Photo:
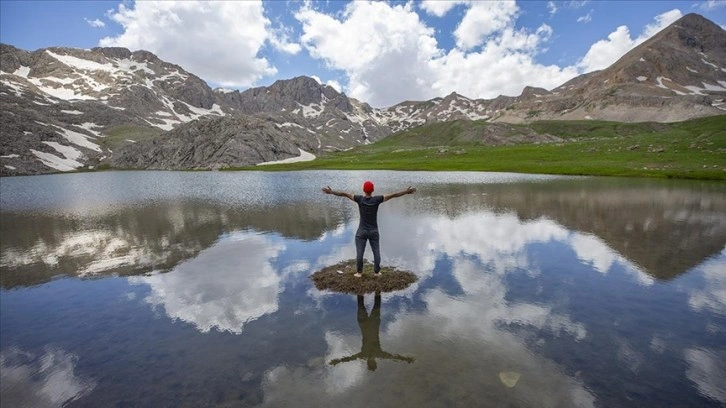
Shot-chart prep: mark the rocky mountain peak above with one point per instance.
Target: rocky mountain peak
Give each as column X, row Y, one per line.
column 301, row 94
column 113, row 52
column 686, row 58
column 531, row 92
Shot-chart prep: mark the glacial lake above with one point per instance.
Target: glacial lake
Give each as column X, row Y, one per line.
column 151, row 289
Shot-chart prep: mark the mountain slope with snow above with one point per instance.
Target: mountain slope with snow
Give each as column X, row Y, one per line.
column 65, row 109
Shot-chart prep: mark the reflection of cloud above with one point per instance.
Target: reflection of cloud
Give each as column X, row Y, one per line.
column 224, row 287
column 498, row 239
column 628, row 356
column 296, row 268
column 713, row 294
column 591, row 249
column 657, row 344
column 484, row 306
column 46, row 381
column 707, row 369
column 338, row 231
column 348, row 374
column 416, row 243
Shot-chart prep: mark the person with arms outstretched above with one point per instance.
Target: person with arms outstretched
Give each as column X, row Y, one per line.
column 370, row 326
column 368, row 224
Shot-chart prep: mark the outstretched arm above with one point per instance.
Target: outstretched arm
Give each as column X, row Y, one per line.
column 328, row 190
column 389, row 356
column 409, row 190
column 336, row 361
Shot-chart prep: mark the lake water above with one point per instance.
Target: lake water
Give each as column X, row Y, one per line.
column 135, row 289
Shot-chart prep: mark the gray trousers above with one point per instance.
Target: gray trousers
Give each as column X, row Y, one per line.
column 361, row 236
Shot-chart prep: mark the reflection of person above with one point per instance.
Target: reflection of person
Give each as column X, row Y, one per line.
column 369, row 330
column 368, row 225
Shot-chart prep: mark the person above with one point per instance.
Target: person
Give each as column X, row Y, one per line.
column 368, row 224
column 370, row 326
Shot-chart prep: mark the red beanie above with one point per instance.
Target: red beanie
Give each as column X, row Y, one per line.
column 368, row 187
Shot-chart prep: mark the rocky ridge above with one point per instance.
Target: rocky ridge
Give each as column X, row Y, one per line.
column 65, row 109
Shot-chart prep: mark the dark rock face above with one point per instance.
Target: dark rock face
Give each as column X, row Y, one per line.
column 65, row 108
column 210, row 143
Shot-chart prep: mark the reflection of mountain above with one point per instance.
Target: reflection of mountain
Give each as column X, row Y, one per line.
column 136, row 239
column 664, row 229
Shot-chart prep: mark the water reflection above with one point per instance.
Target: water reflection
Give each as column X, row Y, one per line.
column 664, row 228
column 555, row 294
column 712, row 294
column 47, row 380
column 463, row 345
column 223, row 287
column 660, row 231
column 707, row 369
column 370, row 326
column 135, row 240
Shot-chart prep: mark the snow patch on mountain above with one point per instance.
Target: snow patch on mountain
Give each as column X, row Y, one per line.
column 304, row 156
column 290, row 124
column 312, row 110
column 89, row 126
column 22, row 72
column 68, row 152
column 17, row 88
column 78, row 139
column 55, row 162
column 167, row 124
column 80, row 63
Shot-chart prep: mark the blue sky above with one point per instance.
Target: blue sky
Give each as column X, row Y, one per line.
column 379, row 52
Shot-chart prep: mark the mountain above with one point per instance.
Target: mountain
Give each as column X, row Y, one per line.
column 65, row 109
column 678, row 74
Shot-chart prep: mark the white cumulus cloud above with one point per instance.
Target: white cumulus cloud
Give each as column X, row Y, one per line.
column 219, row 41
column 483, row 19
column 605, row 52
column 439, row 8
column 389, row 54
column 95, row 23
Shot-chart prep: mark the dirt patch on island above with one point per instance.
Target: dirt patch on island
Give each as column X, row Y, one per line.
column 339, row 278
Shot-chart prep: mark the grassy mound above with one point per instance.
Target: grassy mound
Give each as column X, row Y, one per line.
column 330, row 278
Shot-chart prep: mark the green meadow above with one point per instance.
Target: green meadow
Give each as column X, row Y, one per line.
column 694, row 149
column 119, row 135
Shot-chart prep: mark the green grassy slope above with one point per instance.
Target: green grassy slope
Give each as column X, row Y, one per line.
column 120, row 134
column 691, row 149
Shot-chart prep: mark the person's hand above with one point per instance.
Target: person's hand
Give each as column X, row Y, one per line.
column 410, row 190
column 327, row 190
